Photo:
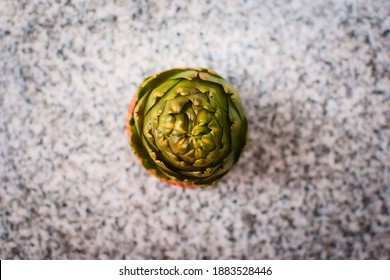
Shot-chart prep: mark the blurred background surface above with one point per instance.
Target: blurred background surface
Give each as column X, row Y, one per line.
column 313, row 182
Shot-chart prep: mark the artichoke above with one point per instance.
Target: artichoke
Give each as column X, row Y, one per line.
column 187, row 126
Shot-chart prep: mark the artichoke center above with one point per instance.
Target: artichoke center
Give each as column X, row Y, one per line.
column 185, row 130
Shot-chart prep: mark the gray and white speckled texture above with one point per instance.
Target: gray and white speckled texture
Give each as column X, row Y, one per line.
column 314, row 182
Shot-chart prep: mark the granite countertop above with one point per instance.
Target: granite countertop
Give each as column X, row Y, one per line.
column 314, row 181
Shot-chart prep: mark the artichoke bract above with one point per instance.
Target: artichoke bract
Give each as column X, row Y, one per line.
column 187, row 126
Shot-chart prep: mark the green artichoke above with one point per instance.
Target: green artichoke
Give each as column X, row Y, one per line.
column 187, row 125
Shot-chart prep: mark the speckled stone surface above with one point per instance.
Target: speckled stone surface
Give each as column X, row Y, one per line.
column 314, row 181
